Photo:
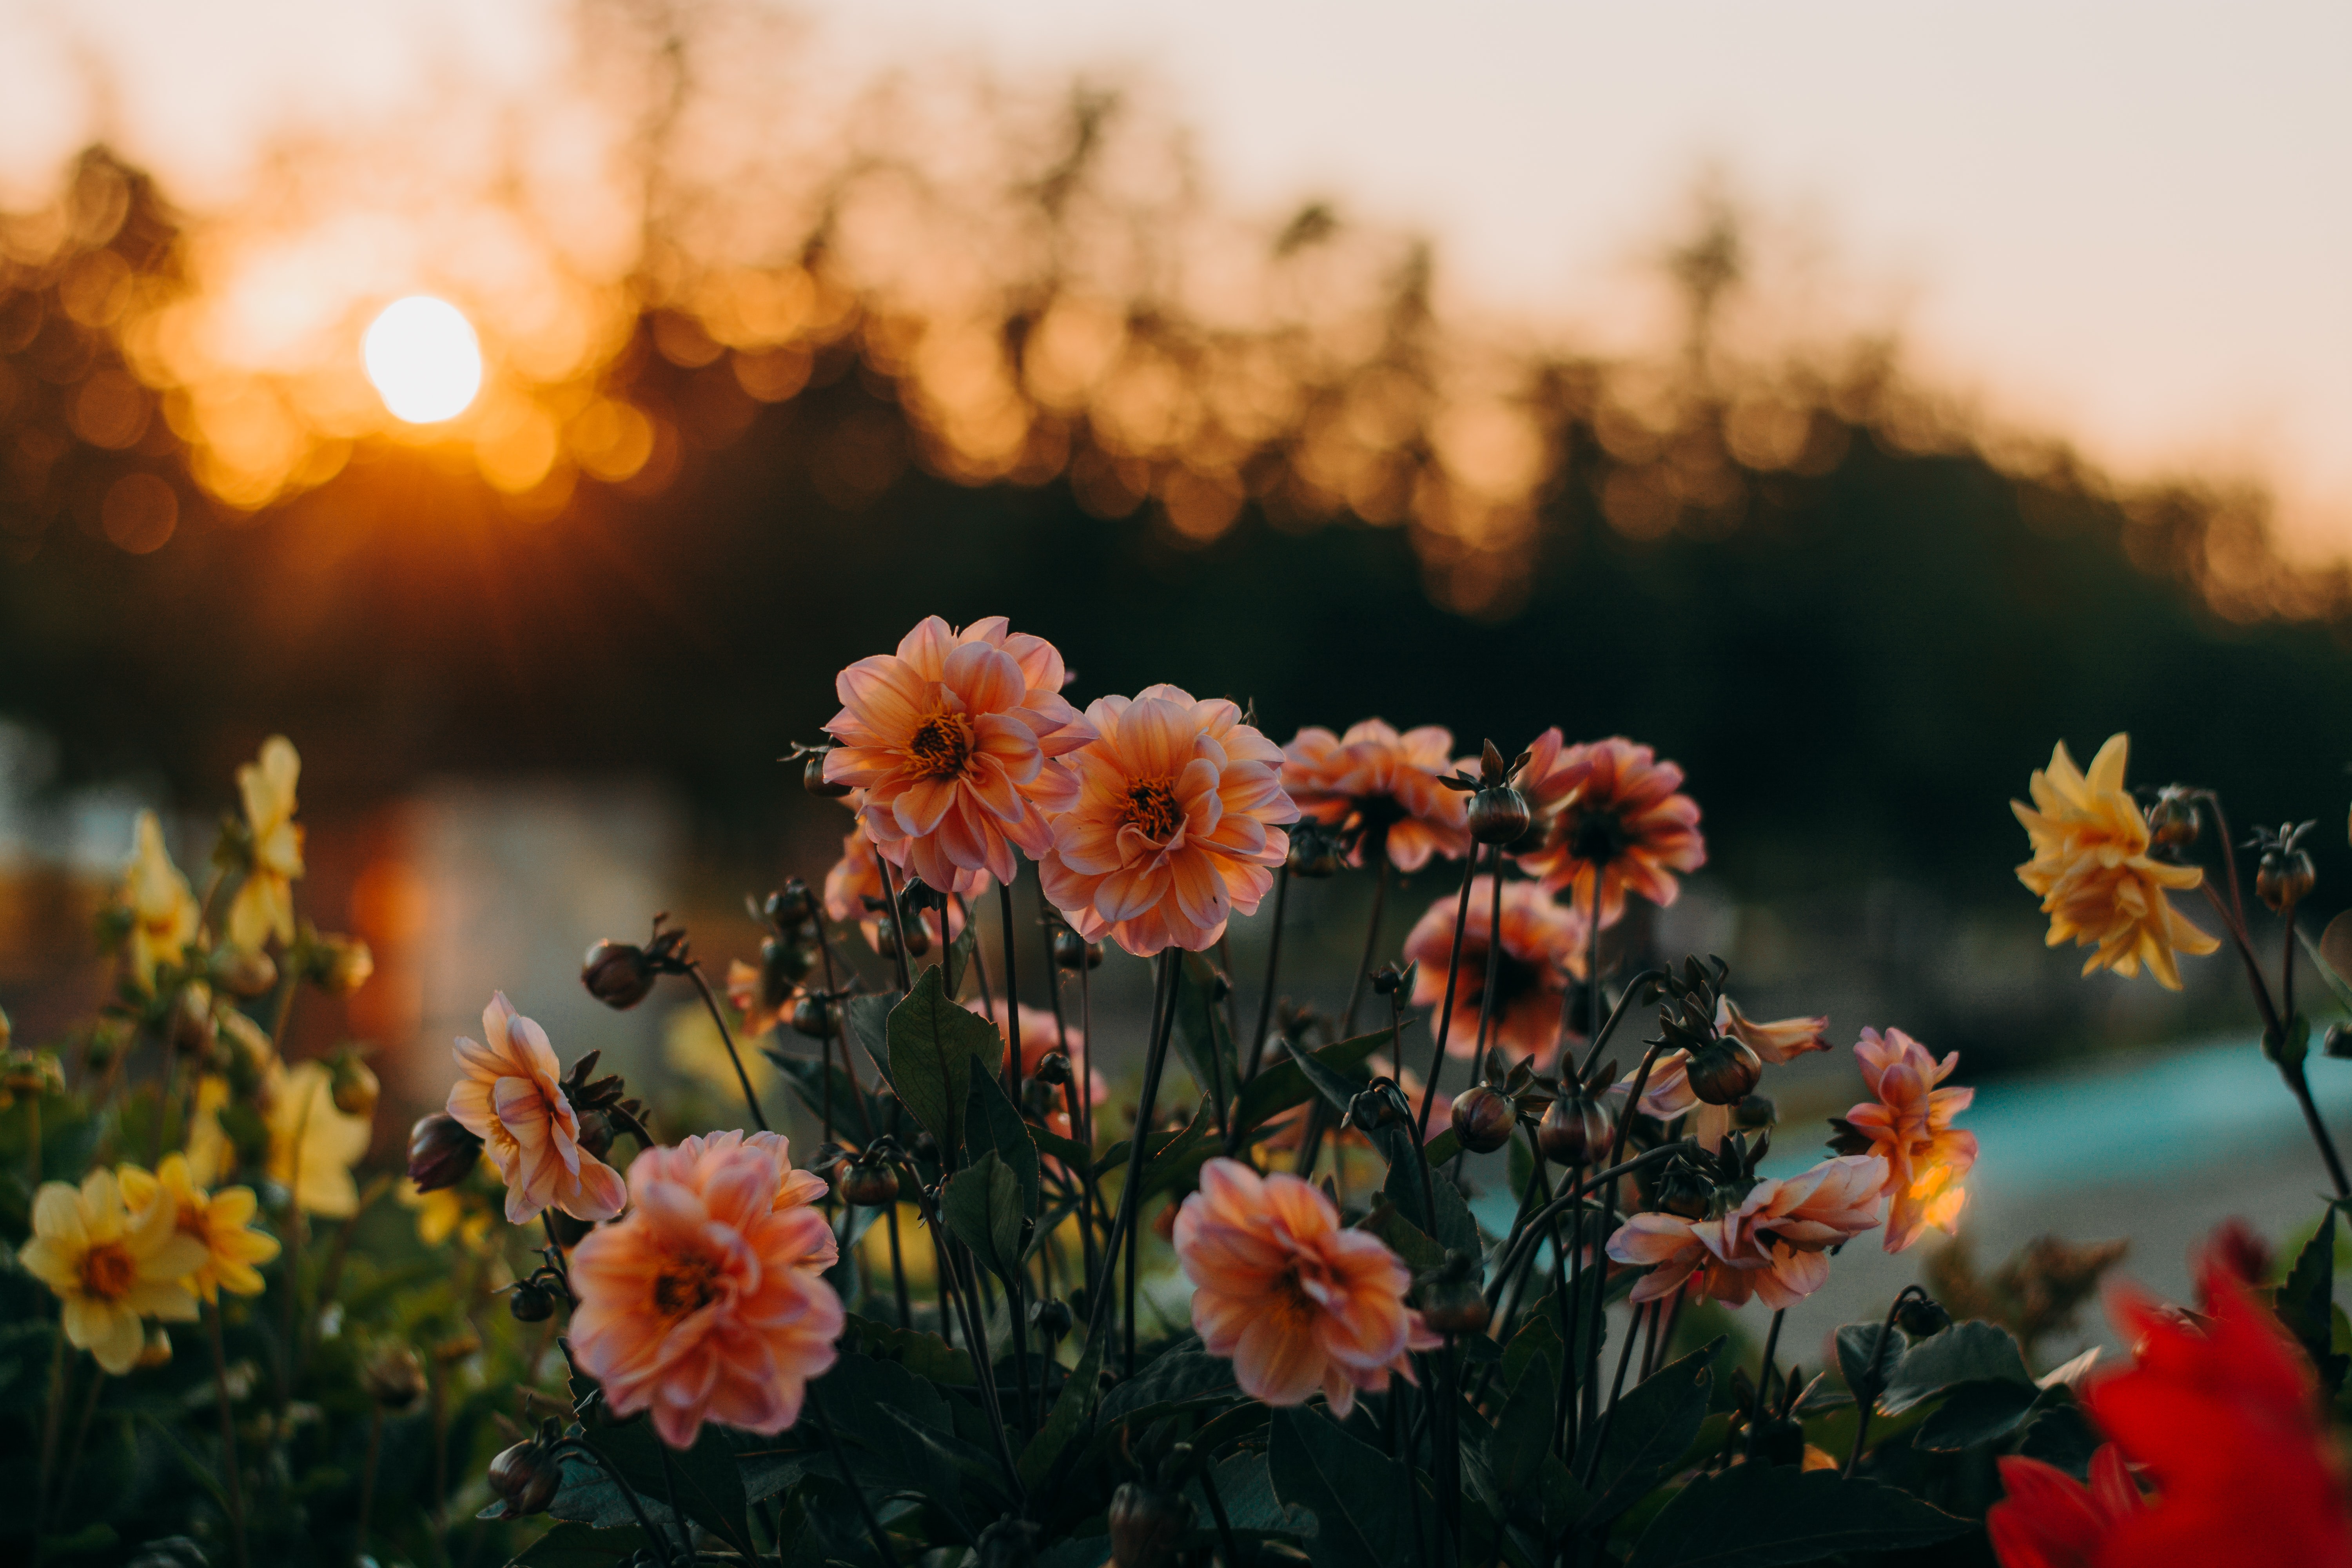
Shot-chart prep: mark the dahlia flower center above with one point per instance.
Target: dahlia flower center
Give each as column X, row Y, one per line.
column 941, row 745
column 1596, row 836
column 1152, row 808
column 687, row 1285
column 108, row 1272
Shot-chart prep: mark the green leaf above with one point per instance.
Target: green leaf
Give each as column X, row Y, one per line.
column 1452, row 1227
column 924, row 1353
column 1443, row 1147
column 992, row 1123
column 1975, row 1414
column 2305, row 1298
column 1355, row 1491
column 866, row 1020
column 1404, row 1238
column 1176, row 1377
column 1206, row 1044
column 1064, row 1421
column 933, row 1044
column 957, row 957
column 709, row 1482
column 1245, row 1486
column 1523, row 1435
column 1282, row 1085
column 1766, row 1516
column 1974, row 1352
column 1854, row 1343
column 1170, row 1159
column 571, row 1546
column 808, row 1078
column 1069, row 1151
column 1653, row 1425
column 1536, row 1344
column 981, row 1204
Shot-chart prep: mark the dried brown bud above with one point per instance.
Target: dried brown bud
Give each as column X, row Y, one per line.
column 246, row 972
column 1314, row 852
column 783, row 966
column 596, row 1132
column 1455, row 1307
column 817, row 1016
column 394, row 1377
column 1576, row 1130
column 526, row 1478
column 812, row 779
column 532, row 1302
column 790, row 906
column 1146, row 1525
column 869, row 1183
column 2284, row 878
column 2172, row 821
column 1684, row 1192
column 440, row 1151
column 1498, row 815
column 1723, row 1070
column 1482, row 1120
column 617, row 974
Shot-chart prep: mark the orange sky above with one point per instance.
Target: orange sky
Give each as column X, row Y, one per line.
column 2129, row 221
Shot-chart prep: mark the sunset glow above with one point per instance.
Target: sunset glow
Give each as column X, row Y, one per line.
column 423, row 357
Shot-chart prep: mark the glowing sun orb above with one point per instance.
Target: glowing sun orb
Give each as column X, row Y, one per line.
column 424, row 358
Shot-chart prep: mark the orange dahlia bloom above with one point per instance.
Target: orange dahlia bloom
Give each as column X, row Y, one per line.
column 511, row 1098
column 1382, row 786
column 1176, row 824
column 704, row 1305
column 1909, row 1125
column 1297, row 1302
column 954, row 738
column 1543, row 944
column 1668, row 1093
column 2092, row 868
column 1774, row 1244
column 1608, row 810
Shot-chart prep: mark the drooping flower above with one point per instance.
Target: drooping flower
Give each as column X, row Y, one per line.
column 696, row 1307
column 109, row 1266
column 1909, row 1125
column 164, row 912
column 1773, row 1244
column 855, row 878
column 1176, row 824
column 2092, row 868
column 511, row 1097
column 1543, row 946
column 1297, row 1303
column 264, row 905
column 1668, row 1093
column 220, row 1222
column 2224, row 1418
column 954, row 738
column 1611, row 814
column 1381, row 787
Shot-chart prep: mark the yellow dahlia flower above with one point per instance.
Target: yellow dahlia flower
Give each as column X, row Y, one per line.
column 220, row 1222
column 2092, row 868
column 264, row 904
column 164, row 912
column 109, row 1267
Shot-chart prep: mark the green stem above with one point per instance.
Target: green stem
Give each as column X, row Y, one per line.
column 1446, row 1009
column 1272, row 969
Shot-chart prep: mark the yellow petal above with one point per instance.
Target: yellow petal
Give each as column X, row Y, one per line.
column 58, row 1217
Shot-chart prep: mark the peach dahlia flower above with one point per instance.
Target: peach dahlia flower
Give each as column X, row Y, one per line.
column 1543, row 944
column 1295, row 1302
column 1909, row 1125
column 855, row 878
column 702, row 1305
column 1773, row 1244
column 1384, row 783
column 1669, row 1094
column 954, row 739
column 1611, row 812
column 1176, row 823
column 511, row 1097
column 2092, row 868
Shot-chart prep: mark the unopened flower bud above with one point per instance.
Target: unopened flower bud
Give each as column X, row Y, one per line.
column 394, row 1377
column 1053, row 1069
column 782, row 965
column 1482, row 1120
column 355, row 1086
column 1723, row 1070
column 440, row 1151
column 1314, row 852
column 1387, row 979
column 246, row 972
column 2284, row 878
column 1497, row 814
column 30, row 1073
column 1146, row 1525
column 790, row 906
column 1071, row 950
column 891, row 935
column 1455, row 1307
column 596, row 1132
column 869, row 1183
column 1375, row 1108
column 1050, row 1317
column 1755, row 1111
column 815, row 1015
column 192, row 1030
column 1684, row 1192
column 812, row 779
column 2172, row 821
column 1919, row 1317
column 532, row 1302
column 157, row 1350
column 1577, row 1127
column 2336, row 1042
column 617, row 975
column 526, row 1478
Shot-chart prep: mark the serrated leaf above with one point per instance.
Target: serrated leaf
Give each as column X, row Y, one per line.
column 1653, row 1425
column 1538, row 1343
column 1202, row 1037
column 1404, row 1238
column 1283, row 1084
column 708, row 1480
column 1768, row 1516
column 1064, row 1421
column 991, row 1123
column 808, row 1078
column 933, row 1043
column 2304, row 1301
column 1452, row 1227
column 1523, row 1435
column 1245, row 1486
column 981, row 1204
column 1355, row 1491
column 1975, row 1352
column 1174, row 1376
column 1854, row 1343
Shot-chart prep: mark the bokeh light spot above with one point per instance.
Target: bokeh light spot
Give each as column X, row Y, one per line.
column 422, row 356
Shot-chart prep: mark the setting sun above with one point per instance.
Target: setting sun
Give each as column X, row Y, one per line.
column 422, row 356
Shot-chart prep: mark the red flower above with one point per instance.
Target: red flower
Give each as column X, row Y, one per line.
column 2225, row 1419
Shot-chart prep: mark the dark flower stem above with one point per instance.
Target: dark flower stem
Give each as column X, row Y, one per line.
column 1377, row 846
column 886, row 1556
column 1866, row 1400
column 658, row 1543
column 1131, row 1191
column 1273, row 968
column 898, row 923
column 727, row 1038
column 899, row 1269
column 1397, row 1438
column 1494, row 957
column 1617, row 1387
column 2275, row 1028
column 233, row 1482
column 1013, row 1060
column 1571, row 1196
column 1446, row 1009
column 1217, row 1512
